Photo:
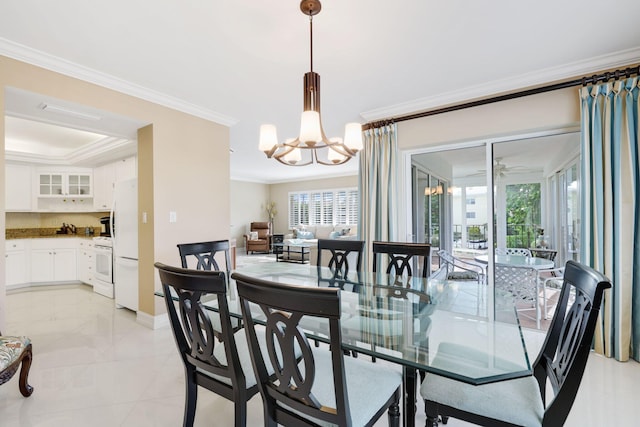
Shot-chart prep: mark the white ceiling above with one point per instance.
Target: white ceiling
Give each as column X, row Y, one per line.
column 241, row 63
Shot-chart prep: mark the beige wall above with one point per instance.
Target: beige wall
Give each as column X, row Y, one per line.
column 181, row 156
column 248, row 201
column 280, row 194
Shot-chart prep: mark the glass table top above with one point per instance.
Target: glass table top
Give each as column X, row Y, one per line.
column 432, row 325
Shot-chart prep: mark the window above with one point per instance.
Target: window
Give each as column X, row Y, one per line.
column 330, row 207
column 471, row 201
column 471, row 215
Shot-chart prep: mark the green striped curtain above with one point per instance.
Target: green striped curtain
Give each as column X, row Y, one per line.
column 610, row 214
column 378, row 186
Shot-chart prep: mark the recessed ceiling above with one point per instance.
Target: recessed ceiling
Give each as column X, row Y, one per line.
column 29, row 136
column 241, row 63
column 64, row 132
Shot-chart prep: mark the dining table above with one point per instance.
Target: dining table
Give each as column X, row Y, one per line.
column 417, row 324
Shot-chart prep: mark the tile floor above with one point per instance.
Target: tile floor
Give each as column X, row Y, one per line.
column 94, row 365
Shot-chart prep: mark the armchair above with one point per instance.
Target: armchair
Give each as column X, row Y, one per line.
column 258, row 238
column 15, row 352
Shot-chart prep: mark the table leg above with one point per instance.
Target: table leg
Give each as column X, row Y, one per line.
column 409, row 393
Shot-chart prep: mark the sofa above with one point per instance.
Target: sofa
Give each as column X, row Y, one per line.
column 311, row 233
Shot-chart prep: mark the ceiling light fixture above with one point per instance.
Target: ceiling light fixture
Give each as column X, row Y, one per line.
column 69, row 112
column 312, row 137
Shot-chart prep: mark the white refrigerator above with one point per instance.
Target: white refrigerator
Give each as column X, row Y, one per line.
column 124, row 224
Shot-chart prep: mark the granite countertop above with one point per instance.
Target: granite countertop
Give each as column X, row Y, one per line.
column 38, row 233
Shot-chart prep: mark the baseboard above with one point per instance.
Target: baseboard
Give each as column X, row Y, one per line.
column 152, row 322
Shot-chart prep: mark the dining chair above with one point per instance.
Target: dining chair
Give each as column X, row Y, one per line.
column 401, row 256
column 16, row 352
column 223, row 367
column 560, row 365
column 322, row 387
column 340, row 251
column 204, row 255
column 523, row 284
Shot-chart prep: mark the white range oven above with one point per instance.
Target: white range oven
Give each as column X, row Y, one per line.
column 103, row 273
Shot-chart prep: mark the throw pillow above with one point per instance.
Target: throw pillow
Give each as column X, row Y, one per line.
column 304, row 234
column 253, row 235
column 345, row 231
column 334, row 234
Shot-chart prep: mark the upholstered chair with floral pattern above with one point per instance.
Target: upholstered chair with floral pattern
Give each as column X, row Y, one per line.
column 15, row 351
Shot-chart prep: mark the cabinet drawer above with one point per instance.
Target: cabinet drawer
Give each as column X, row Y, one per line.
column 15, row 245
column 57, row 243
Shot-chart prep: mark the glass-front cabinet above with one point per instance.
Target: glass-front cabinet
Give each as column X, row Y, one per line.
column 64, row 184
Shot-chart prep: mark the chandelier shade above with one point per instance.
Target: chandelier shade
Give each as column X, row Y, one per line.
column 311, row 140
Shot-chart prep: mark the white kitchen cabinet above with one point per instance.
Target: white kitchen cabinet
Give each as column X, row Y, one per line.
column 104, row 180
column 64, row 184
column 106, row 176
column 18, row 190
column 16, row 262
column 53, row 260
column 86, row 261
column 126, row 168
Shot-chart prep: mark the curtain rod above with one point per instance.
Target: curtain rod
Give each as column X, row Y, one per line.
column 627, row 72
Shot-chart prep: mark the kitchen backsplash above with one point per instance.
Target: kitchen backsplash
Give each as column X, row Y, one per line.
column 54, row 220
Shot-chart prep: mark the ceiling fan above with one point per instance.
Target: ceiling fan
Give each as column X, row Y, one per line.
column 500, row 170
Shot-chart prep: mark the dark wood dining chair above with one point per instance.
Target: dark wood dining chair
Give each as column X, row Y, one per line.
column 322, row 387
column 202, row 255
column 560, row 363
column 223, row 367
column 339, row 251
column 400, row 257
column 16, row 352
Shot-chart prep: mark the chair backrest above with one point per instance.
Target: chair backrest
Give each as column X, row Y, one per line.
column 513, row 251
column 204, row 254
column 262, row 228
column 401, row 256
column 192, row 327
column 519, row 281
column 340, row 250
column 285, row 308
column 566, row 349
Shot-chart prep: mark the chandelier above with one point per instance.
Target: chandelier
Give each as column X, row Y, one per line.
column 322, row 150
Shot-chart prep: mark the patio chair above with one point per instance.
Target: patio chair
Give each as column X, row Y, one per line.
column 513, row 251
column 560, row 366
column 459, row 269
column 523, row 284
column 323, row 387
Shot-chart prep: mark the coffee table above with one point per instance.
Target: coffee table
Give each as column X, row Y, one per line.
column 292, row 252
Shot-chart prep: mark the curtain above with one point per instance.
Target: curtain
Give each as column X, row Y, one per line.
column 610, row 220
column 378, row 186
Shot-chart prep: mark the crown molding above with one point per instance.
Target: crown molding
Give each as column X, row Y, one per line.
column 35, row 57
column 101, row 151
column 534, row 78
